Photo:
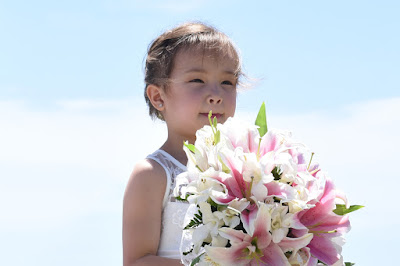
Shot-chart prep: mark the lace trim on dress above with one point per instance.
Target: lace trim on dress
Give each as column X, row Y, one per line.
column 172, row 169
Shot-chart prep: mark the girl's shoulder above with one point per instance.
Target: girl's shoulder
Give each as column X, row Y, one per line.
column 142, row 210
column 147, row 177
column 148, row 167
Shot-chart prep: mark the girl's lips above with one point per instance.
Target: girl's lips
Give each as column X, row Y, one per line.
column 218, row 116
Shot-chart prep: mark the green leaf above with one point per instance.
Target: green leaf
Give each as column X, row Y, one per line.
column 349, row 264
column 196, row 260
column 209, row 117
column 212, row 203
column 276, row 172
column 191, row 147
column 217, row 137
column 342, row 210
column 261, row 120
column 215, row 122
column 182, row 199
column 195, row 221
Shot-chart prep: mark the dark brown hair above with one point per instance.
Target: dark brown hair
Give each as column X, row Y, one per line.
column 189, row 36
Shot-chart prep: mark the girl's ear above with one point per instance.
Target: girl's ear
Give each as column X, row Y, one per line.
column 156, row 95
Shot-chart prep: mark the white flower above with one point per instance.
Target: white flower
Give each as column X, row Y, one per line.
column 281, row 221
column 251, row 168
column 300, row 257
column 181, row 183
column 207, row 186
column 208, row 231
column 207, row 150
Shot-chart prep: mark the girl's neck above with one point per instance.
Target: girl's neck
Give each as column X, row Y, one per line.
column 175, row 148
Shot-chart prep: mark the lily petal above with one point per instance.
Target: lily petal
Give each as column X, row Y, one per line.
column 273, row 255
column 325, row 249
column 291, row 244
column 233, row 235
column 228, row 256
column 262, row 225
column 248, row 216
column 326, row 205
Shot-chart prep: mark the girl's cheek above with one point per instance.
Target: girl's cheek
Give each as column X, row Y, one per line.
column 232, row 95
column 198, row 92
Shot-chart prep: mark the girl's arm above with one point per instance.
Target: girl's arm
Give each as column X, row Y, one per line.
column 142, row 215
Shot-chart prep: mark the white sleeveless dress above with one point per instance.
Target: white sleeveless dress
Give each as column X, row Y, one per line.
column 173, row 211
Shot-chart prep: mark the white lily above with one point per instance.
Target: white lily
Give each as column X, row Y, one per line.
column 300, row 257
column 281, row 221
column 208, row 231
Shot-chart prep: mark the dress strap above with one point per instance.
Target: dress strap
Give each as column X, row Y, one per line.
column 168, row 174
column 172, row 168
column 172, row 159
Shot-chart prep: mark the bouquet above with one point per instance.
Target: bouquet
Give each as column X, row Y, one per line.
column 258, row 199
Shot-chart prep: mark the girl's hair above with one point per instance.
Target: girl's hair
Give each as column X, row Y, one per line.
column 196, row 37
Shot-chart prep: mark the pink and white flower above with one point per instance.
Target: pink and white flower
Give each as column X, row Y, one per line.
column 325, row 225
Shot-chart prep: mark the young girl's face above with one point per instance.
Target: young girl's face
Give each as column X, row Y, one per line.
column 200, row 83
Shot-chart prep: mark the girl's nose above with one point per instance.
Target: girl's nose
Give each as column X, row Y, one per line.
column 215, row 96
column 214, row 99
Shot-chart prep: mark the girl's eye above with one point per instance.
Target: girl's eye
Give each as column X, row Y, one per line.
column 227, row 82
column 197, row 81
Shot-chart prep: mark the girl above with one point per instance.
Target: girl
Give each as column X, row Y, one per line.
column 190, row 70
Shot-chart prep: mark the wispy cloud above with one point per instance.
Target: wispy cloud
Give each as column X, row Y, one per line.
column 80, row 132
column 57, row 165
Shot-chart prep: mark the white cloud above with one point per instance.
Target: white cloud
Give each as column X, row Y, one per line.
column 85, row 133
column 55, row 166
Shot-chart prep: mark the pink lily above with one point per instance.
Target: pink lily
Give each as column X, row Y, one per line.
column 249, row 249
column 246, row 137
column 234, row 183
column 281, row 190
column 256, row 247
column 238, row 188
column 325, row 225
column 270, row 142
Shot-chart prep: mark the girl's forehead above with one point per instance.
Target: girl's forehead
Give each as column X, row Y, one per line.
column 200, row 58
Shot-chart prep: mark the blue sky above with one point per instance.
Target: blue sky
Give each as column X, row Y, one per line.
column 73, row 120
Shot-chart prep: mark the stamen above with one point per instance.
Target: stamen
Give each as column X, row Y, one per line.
column 312, row 155
column 249, row 190
column 258, row 149
column 323, row 232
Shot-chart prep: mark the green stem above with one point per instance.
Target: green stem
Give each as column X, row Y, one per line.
column 211, row 123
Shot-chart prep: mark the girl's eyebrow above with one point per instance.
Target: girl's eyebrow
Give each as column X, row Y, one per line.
column 195, row 70
column 202, row 70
